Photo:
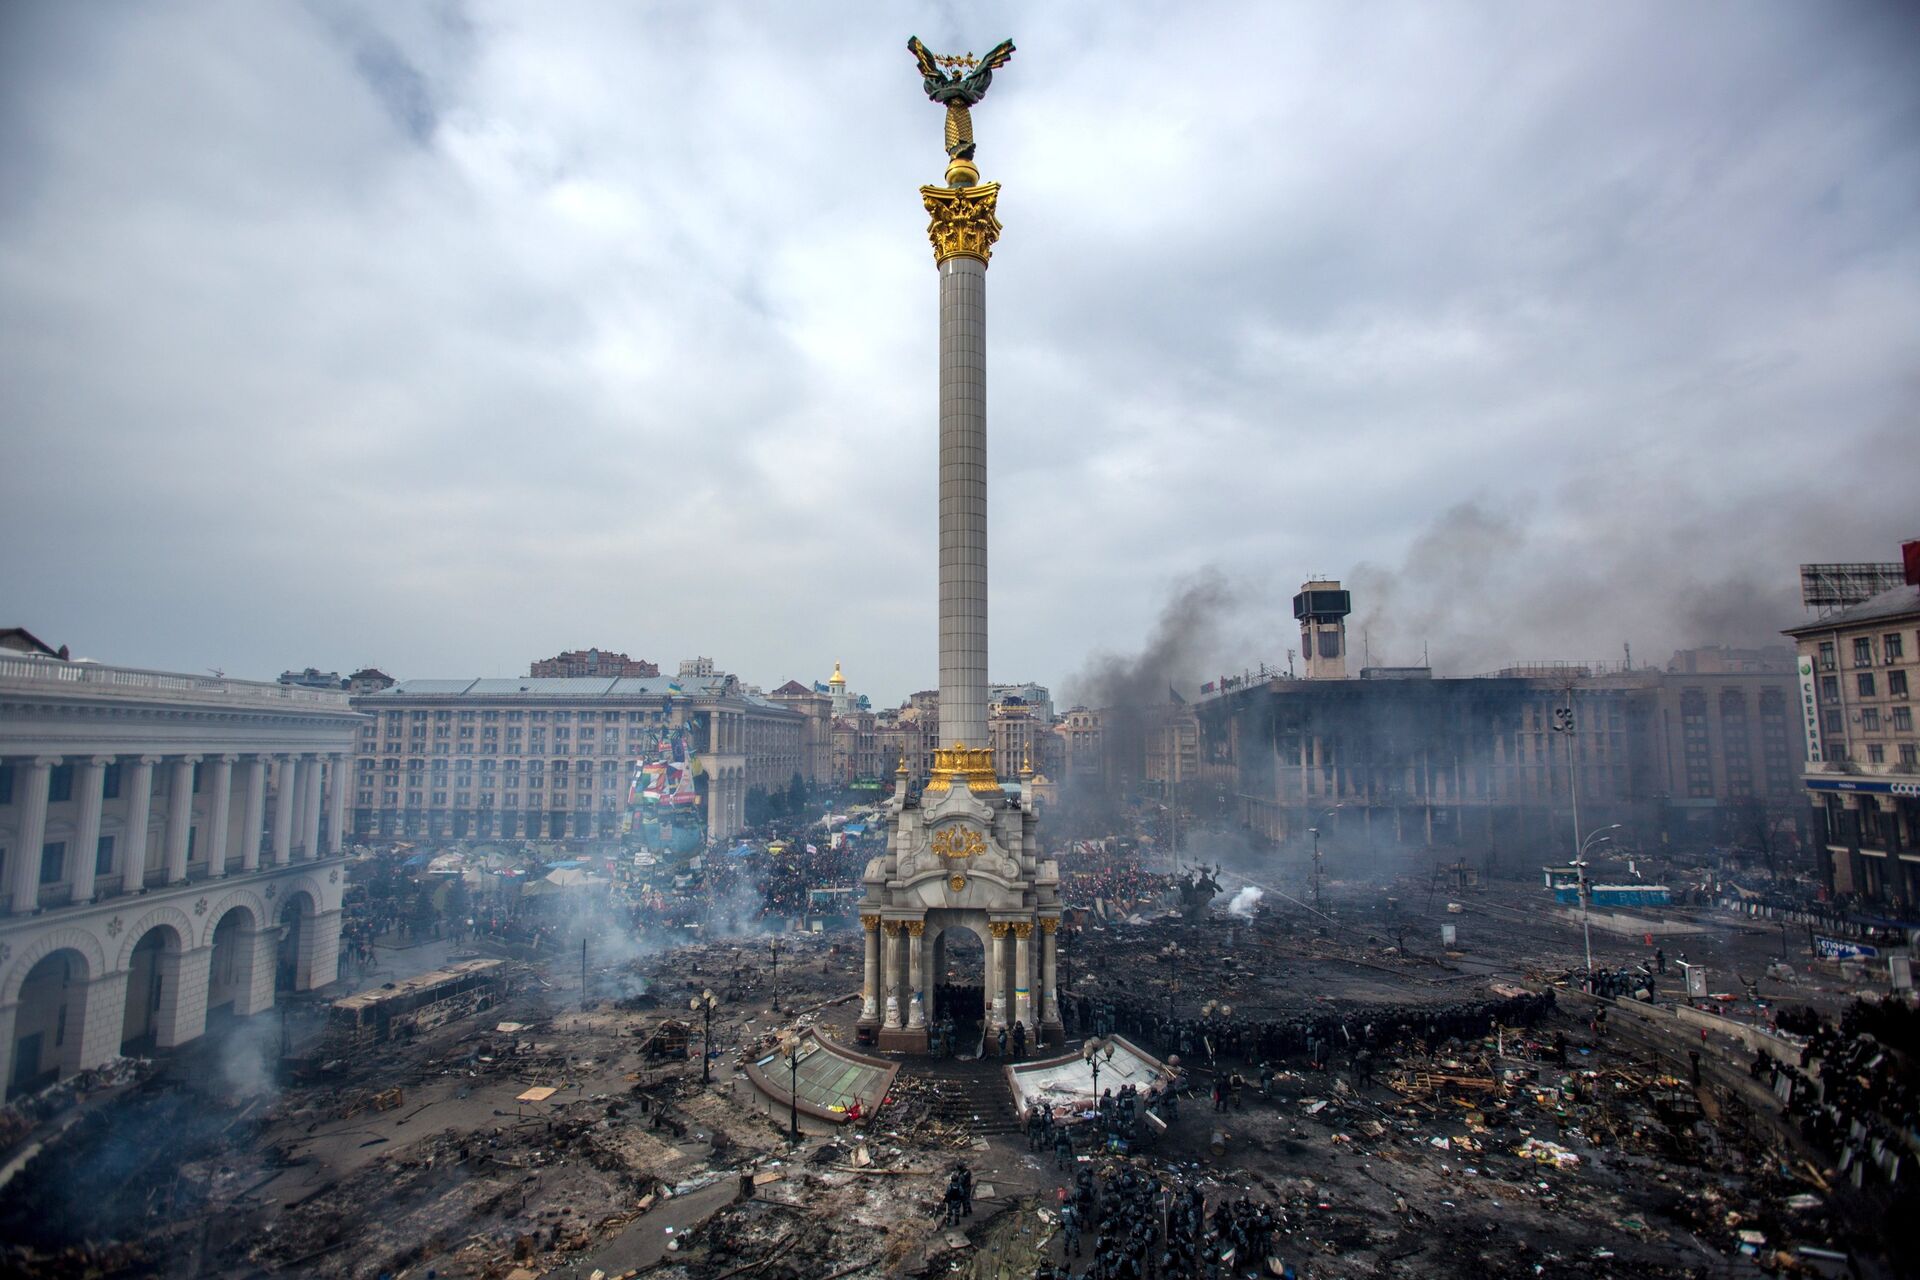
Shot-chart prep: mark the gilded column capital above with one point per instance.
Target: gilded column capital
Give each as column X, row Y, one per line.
column 1049, row 924
column 998, row 928
column 891, row 926
column 1023, row 929
column 916, row 927
column 973, row 766
column 870, row 923
column 963, row 223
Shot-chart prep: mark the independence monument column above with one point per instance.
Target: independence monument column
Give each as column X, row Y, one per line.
column 963, row 854
column 963, row 229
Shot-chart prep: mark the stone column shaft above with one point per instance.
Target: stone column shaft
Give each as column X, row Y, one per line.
column 916, row 977
column 179, row 818
column 1023, row 976
column 870, row 987
column 283, row 790
column 890, row 969
column 253, row 816
column 1049, row 995
column 297, row 822
column 24, row 883
column 997, row 979
column 133, row 858
column 217, row 816
column 86, row 834
column 310, row 827
column 341, row 779
column 963, row 501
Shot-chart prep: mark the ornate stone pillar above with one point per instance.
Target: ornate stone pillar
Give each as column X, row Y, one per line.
column 283, row 789
column 323, row 958
column 133, row 858
column 179, row 817
column 297, row 820
column 870, row 987
column 253, row 816
column 310, row 813
column 341, row 771
column 259, row 956
column 103, row 1020
column 8, row 1014
column 217, row 815
column 183, row 996
column 916, row 973
column 997, row 975
column 24, row 883
column 1049, row 995
column 890, row 967
column 1023, row 974
column 86, row 833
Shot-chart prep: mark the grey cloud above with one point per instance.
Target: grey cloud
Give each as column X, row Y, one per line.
column 440, row 336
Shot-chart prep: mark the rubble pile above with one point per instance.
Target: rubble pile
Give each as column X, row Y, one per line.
column 1340, row 1100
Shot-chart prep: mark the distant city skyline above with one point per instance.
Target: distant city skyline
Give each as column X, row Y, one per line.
column 438, row 340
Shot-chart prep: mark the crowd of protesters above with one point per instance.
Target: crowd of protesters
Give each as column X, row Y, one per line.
column 1852, row 1089
column 1147, row 1225
column 1235, row 1037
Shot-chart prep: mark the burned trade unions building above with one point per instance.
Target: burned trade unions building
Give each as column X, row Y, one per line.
column 1701, row 750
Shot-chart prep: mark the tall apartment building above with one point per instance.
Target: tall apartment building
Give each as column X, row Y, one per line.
column 856, row 750
column 816, row 738
column 1082, row 739
column 1861, row 760
column 1037, row 698
column 553, row 758
column 584, row 663
column 170, row 853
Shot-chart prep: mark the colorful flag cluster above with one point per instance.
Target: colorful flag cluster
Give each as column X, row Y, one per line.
column 666, row 777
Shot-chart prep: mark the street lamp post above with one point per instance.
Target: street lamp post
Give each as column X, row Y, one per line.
column 703, row 1004
column 773, row 945
column 1315, row 833
column 1209, row 1011
column 1563, row 724
column 1579, row 864
column 790, row 1050
column 1091, row 1051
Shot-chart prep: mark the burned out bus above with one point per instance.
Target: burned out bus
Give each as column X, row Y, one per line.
column 417, row 1004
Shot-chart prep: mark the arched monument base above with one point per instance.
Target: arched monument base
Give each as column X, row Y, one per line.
column 962, row 855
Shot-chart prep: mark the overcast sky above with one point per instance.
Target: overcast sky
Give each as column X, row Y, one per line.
column 442, row 337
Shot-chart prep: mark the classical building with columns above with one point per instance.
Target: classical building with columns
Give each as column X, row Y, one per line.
column 170, row 852
column 552, row 757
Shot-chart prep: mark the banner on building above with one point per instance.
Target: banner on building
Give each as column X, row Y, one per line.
column 1809, row 710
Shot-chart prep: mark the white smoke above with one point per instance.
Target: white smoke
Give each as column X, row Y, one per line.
column 1244, row 902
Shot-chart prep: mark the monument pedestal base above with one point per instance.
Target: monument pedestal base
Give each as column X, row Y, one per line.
column 904, row 1039
column 1052, row 1033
